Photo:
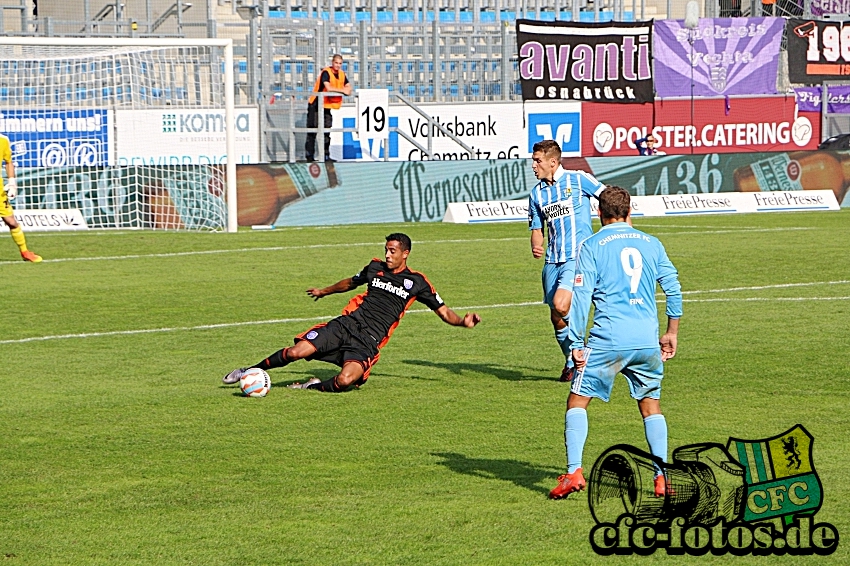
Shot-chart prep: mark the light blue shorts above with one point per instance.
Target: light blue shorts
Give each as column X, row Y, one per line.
column 643, row 369
column 557, row 276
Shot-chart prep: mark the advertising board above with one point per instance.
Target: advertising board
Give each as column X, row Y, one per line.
column 701, row 126
column 492, row 130
column 659, row 205
column 599, row 62
column 173, row 136
column 48, row 220
column 308, row 194
column 721, row 173
column 59, row 138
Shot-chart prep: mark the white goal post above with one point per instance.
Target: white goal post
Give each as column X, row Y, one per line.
column 135, row 132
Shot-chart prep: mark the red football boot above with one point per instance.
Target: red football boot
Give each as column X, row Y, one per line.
column 567, row 484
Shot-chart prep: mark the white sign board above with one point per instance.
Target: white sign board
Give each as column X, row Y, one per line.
column 659, row 205
column 181, row 136
column 373, row 106
column 48, row 220
column 494, row 130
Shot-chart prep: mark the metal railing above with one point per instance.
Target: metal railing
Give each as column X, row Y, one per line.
column 113, row 19
column 291, row 129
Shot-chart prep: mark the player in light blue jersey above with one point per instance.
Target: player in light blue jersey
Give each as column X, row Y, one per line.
column 561, row 202
column 617, row 271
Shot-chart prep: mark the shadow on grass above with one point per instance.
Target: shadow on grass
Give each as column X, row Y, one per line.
column 300, row 377
column 499, row 372
column 520, row 473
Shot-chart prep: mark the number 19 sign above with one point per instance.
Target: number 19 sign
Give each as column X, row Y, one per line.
column 373, row 107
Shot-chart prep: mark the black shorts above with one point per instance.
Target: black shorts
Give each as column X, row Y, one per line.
column 340, row 341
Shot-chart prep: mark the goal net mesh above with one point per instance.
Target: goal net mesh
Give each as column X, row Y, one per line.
column 133, row 137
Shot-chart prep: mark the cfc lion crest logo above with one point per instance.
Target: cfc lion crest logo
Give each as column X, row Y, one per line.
column 780, row 475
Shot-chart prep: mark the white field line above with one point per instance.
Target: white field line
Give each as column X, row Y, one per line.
column 353, row 245
column 323, row 318
column 230, row 324
column 751, row 299
column 257, row 249
column 777, row 286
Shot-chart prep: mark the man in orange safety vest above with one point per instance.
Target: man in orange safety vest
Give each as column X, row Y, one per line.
column 331, row 79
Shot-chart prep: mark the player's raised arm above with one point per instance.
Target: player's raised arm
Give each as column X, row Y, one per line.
column 449, row 316
column 338, row 287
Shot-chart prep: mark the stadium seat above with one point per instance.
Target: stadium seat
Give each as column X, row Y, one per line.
column 276, row 67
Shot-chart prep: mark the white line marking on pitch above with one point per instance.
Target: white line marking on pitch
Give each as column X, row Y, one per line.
column 352, row 245
column 749, row 299
column 322, row 318
column 777, row 286
column 258, row 249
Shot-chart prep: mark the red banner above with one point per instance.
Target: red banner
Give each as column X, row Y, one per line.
column 714, row 125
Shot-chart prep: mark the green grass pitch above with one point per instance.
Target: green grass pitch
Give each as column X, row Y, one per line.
column 122, row 447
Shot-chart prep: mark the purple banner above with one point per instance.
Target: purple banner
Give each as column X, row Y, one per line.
column 809, row 99
column 723, row 55
column 830, row 7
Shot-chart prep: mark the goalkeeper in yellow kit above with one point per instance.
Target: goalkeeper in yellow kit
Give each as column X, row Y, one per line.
column 9, row 191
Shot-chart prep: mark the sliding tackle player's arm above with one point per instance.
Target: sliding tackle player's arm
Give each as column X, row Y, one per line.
column 338, row 287
column 449, row 316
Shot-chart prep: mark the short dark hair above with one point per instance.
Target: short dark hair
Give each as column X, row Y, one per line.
column 402, row 239
column 549, row 148
column 614, row 202
column 336, row 56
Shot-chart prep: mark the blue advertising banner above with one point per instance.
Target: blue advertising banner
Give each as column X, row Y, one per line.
column 723, row 56
column 59, row 138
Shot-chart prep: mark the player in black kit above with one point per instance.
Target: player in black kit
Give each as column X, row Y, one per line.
column 353, row 340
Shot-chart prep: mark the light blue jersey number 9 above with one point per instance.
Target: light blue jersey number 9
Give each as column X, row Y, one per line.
column 633, row 266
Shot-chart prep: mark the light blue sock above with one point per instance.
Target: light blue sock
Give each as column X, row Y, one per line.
column 656, row 435
column 563, row 338
column 575, row 435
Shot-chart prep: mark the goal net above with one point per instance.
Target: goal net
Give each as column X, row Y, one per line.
column 134, row 133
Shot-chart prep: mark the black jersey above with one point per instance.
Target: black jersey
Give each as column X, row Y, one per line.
column 388, row 297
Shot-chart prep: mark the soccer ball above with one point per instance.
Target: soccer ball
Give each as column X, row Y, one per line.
column 255, row 383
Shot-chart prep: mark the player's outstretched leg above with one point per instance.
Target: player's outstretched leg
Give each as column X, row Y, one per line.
column 279, row 359
column 352, row 372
